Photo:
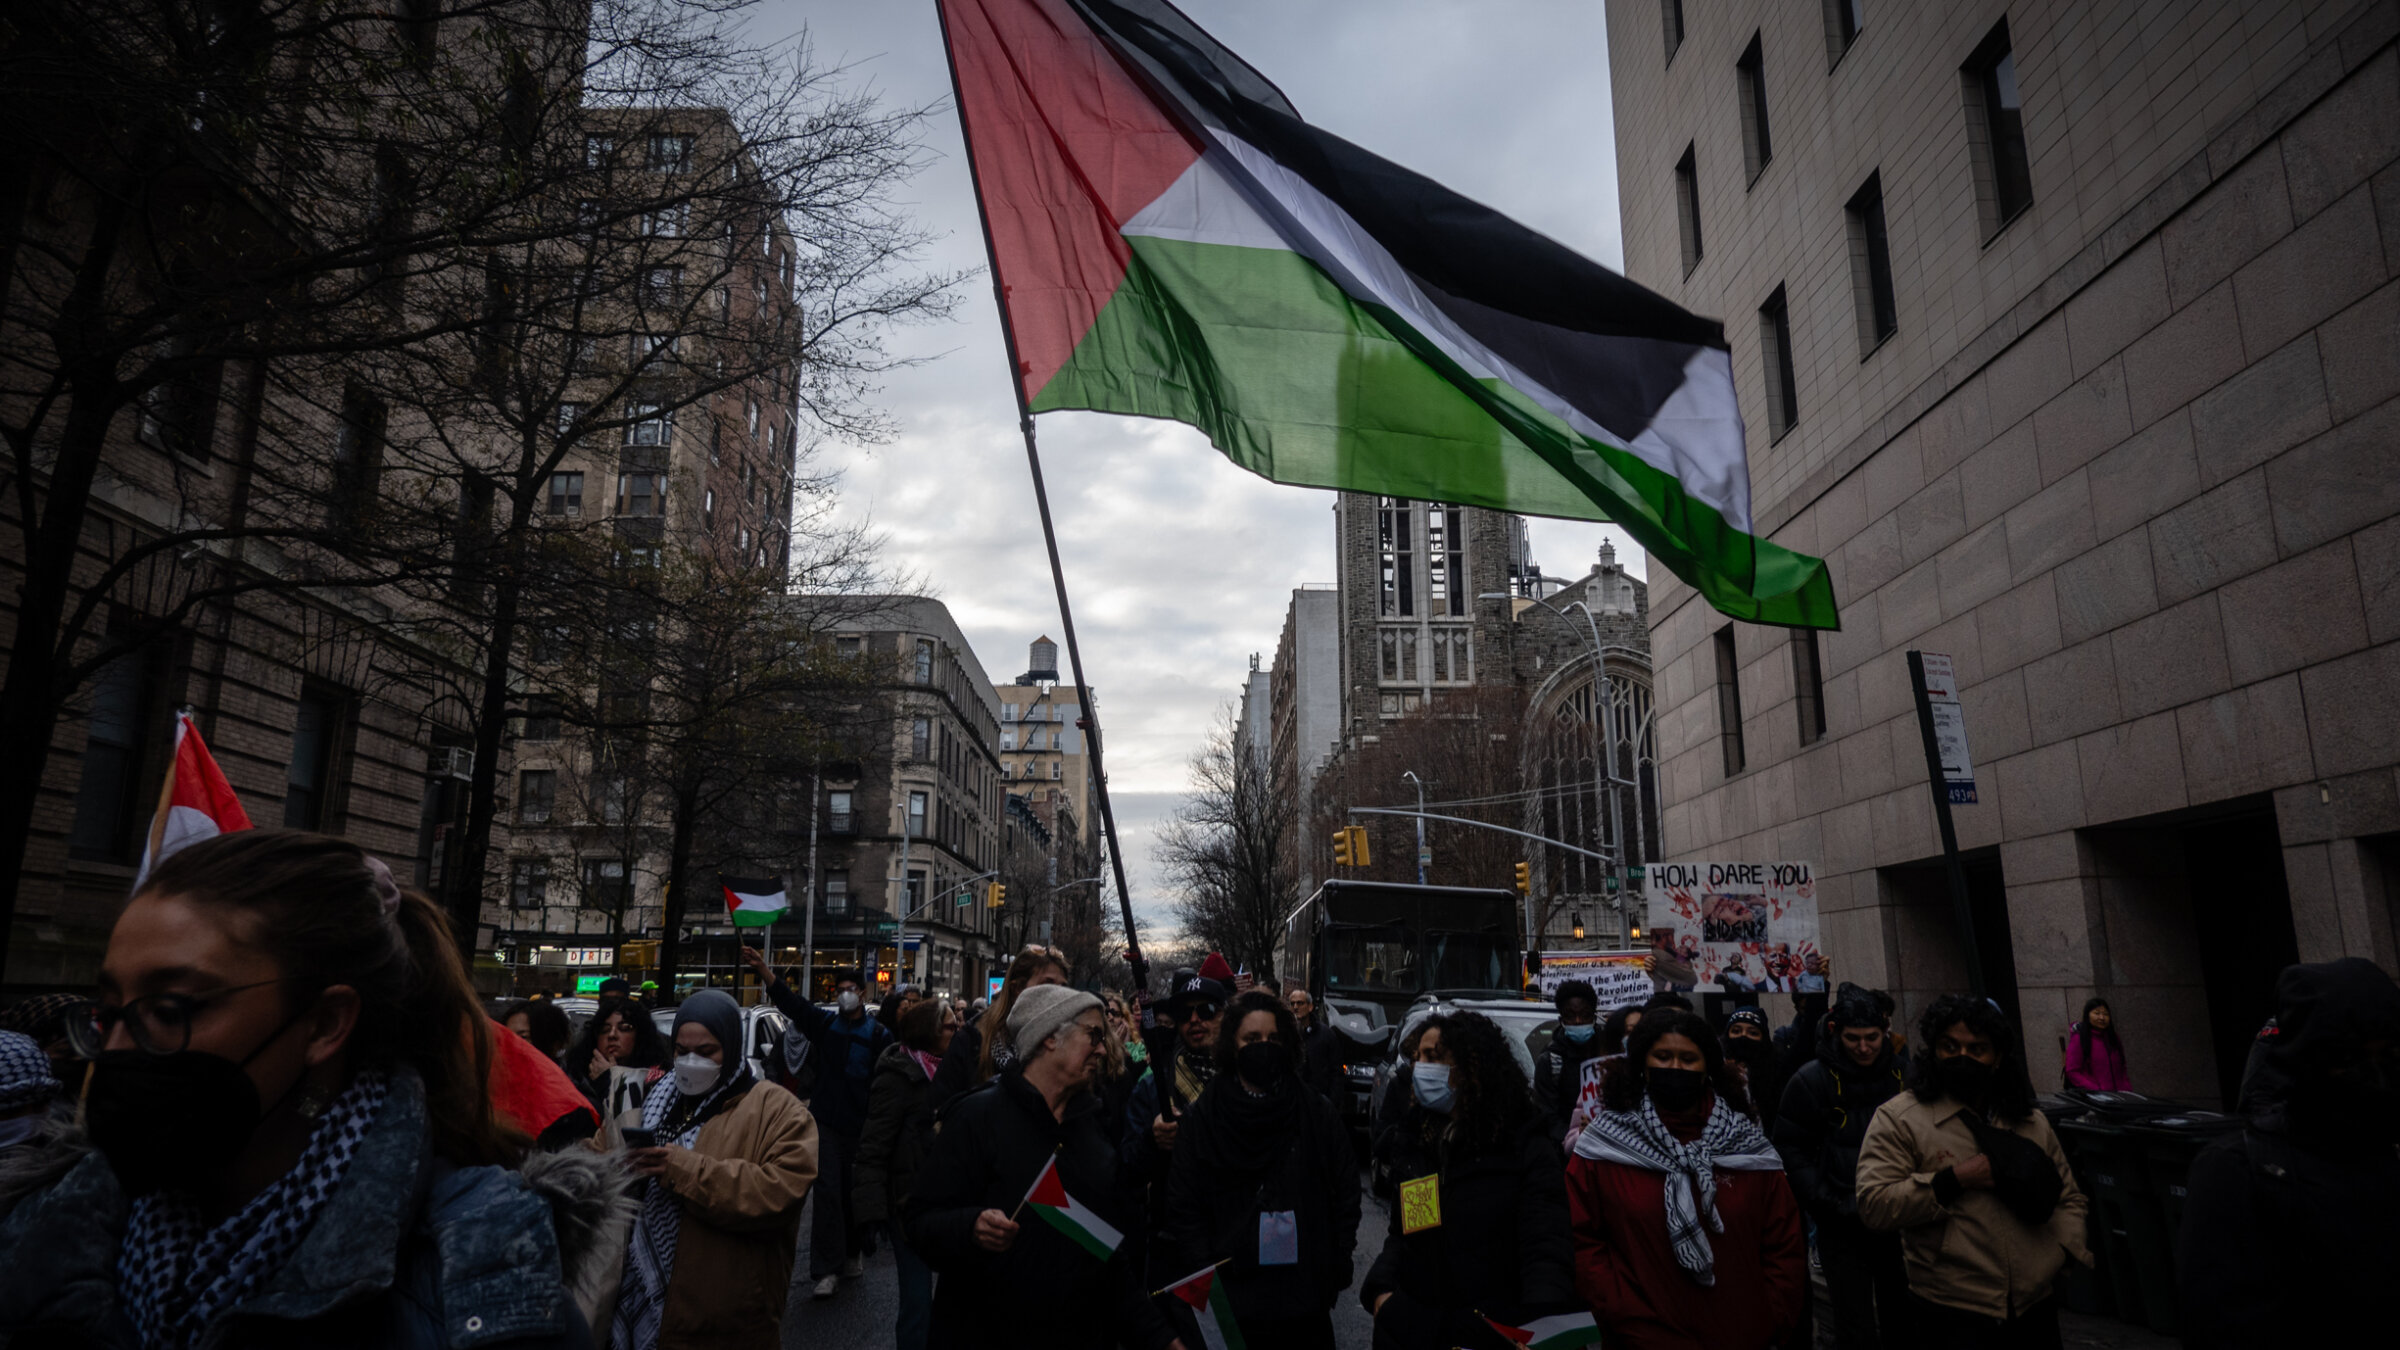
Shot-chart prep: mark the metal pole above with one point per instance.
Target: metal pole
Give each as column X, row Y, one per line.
column 1140, row 969
column 808, row 926
column 1961, row 906
column 1411, row 776
column 900, row 935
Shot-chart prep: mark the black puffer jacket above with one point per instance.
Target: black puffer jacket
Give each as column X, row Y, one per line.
column 1229, row 1169
column 1045, row 1290
column 2288, row 1236
column 1821, row 1122
column 1503, row 1243
column 899, row 1127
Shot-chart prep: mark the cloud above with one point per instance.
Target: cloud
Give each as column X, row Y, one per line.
column 1179, row 564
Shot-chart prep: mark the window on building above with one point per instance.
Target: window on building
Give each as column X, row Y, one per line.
column 670, row 154
column 358, row 440
column 1058, row 769
column 1775, row 352
column 616, row 798
column 920, row 738
column 924, row 670
column 566, row 494
column 1453, row 656
column 605, row 884
column 650, row 348
column 752, row 406
column 648, row 423
column 1445, row 562
column 528, row 883
column 916, row 815
column 1808, row 685
column 1871, row 267
column 537, row 795
column 1750, row 77
column 667, row 222
column 568, row 415
column 839, row 817
column 848, row 648
column 661, row 285
column 179, row 413
column 1843, row 20
column 914, row 898
column 541, row 719
column 1687, row 207
column 1670, row 22
column 599, row 151
column 708, row 509
column 1996, row 132
column 1395, row 535
column 117, row 733
column 419, row 23
column 837, row 893
column 641, row 494
column 308, row 778
column 1729, row 702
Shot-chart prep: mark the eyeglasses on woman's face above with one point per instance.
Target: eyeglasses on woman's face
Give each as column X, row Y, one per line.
column 160, row 1024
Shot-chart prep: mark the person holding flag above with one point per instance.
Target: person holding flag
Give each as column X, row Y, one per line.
column 1017, row 1207
column 1477, row 1246
column 1264, row 1180
column 845, row 1044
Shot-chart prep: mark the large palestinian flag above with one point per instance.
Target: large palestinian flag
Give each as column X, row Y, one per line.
column 1173, row 241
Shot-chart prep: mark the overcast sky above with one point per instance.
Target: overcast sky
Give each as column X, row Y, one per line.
column 1179, row 564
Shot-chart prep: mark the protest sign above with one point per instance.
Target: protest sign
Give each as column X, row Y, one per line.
column 1736, row 926
column 1617, row 978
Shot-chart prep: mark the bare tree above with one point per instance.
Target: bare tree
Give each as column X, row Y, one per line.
column 1223, row 852
column 392, row 267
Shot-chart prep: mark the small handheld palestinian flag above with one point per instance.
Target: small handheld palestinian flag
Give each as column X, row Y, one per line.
column 754, row 902
column 195, row 802
column 1562, row 1332
column 1048, row 1198
column 1206, row 1296
column 1172, row 240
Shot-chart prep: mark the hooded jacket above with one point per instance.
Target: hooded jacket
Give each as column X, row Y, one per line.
column 1822, row 1121
column 1237, row 1157
column 1045, row 1291
column 410, row 1253
column 741, row 1186
column 2288, row 1236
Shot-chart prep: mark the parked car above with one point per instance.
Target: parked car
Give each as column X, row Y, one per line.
column 763, row 1030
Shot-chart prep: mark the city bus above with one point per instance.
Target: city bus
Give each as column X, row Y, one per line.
column 1390, row 943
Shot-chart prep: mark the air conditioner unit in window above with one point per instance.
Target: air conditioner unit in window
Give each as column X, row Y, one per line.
column 450, row 761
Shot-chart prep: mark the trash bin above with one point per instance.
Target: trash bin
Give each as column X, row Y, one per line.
column 2168, row 1145
column 2126, row 1232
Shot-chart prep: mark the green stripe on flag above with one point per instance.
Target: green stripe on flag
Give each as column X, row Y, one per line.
column 757, row 918
column 1084, row 1237
column 1293, row 379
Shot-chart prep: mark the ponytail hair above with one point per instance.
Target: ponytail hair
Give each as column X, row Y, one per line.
column 328, row 913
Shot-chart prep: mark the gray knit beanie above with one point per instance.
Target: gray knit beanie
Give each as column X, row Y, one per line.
column 1039, row 1012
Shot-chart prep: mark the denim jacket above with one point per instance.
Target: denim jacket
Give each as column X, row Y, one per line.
column 410, row 1253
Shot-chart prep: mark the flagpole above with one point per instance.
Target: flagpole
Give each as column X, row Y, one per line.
column 1161, row 1293
column 808, row 924
column 1139, row 967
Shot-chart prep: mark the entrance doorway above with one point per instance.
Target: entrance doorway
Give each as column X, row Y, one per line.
column 1924, row 943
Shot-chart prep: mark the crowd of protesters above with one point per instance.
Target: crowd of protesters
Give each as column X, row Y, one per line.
column 284, row 1117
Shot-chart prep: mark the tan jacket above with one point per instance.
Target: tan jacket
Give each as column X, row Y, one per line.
column 1973, row 1254
column 741, row 1189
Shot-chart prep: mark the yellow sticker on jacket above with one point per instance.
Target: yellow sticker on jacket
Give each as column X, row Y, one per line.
column 1421, row 1204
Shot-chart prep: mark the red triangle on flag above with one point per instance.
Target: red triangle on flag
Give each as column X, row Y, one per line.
column 1517, row 1334
column 1048, row 1189
column 1194, row 1289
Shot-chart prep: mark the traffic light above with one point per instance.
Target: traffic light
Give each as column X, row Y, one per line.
column 1358, row 846
column 1524, row 878
column 996, row 895
column 1341, row 847
column 1350, row 846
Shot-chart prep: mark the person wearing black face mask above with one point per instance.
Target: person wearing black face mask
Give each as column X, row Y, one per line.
column 2288, row 1236
column 1685, row 1231
column 1748, row 1045
column 1973, row 1180
column 1264, row 1181
column 292, row 1139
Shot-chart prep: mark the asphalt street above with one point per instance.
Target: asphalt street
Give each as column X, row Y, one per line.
column 862, row 1314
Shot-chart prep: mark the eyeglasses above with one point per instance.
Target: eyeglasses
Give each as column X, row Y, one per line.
column 1099, row 1034
column 161, row 1024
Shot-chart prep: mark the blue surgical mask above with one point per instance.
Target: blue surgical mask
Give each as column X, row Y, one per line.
column 1578, row 1034
column 1432, row 1085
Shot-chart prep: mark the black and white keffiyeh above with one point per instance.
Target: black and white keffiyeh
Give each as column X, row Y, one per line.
column 650, row 1260
column 178, row 1274
column 1730, row 1140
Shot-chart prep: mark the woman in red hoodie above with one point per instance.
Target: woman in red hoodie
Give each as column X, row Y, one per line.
column 1686, row 1233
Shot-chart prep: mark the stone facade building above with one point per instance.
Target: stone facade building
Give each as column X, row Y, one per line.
column 1043, row 757
column 1304, row 712
column 2067, row 335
